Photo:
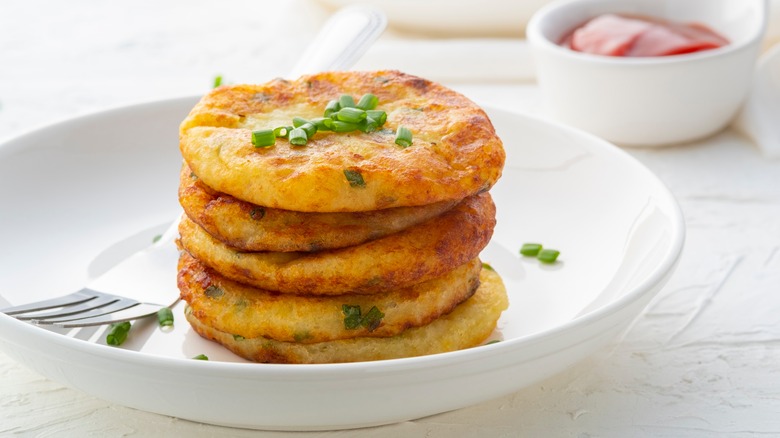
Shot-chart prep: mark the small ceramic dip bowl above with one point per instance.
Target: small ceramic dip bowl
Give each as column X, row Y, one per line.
column 652, row 100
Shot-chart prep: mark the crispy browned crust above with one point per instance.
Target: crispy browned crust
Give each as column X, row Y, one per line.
column 417, row 254
column 250, row 312
column 468, row 325
column 251, row 227
column 456, row 152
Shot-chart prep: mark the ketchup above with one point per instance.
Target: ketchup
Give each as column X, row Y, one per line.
column 622, row 35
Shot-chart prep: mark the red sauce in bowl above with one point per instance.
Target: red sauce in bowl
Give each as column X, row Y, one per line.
column 622, row 35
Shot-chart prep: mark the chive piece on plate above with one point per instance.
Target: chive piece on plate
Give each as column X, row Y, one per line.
column 530, row 249
column 117, row 333
column 165, row 317
column 548, row 255
column 201, row 357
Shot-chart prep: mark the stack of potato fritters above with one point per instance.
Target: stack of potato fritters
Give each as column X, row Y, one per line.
column 350, row 248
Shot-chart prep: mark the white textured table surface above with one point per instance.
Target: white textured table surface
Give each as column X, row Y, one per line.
column 702, row 360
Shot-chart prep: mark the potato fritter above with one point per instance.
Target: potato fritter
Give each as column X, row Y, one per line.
column 248, row 312
column 416, row 254
column 468, row 325
column 455, row 151
column 252, row 227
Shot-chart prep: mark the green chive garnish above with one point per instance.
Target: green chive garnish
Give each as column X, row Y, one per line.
column 339, row 126
column 372, row 319
column 548, row 255
column 282, row 131
column 351, row 115
column 165, row 317
column 263, row 138
column 201, row 357
column 378, row 115
column 217, row 81
column 117, row 333
column 368, row 125
column 487, row 266
column 351, row 316
column 530, row 249
column 213, row 291
column 299, row 121
column 403, row 137
column 323, row 123
column 368, row 102
column 346, row 101
column 310, row 129
column 298, row 137
column 355, row 178
column 332, row 107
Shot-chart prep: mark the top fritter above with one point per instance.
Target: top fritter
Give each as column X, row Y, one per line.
column 455, row 151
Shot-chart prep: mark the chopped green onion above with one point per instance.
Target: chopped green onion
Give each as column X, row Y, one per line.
column 323, row 123
column 403, row 137
column 368, row 125
column 548, row 255
column 238, row 338
column 372, row 319
column 353, row 319
column 213, row 291
column 217, row 81
column 351, row 316
column 299, row 121
column 339, row 126
column 332, row 107
column 263, row 138
column 351, row 115
column 117, row 333
column 378, row 115
column 282, row 131
column 487, row 267
column 156, row 238
column 201, row 357
column 310, row 129
column 355, row 178
column 530, row 249
column 165, row 317
column 368, row 102
column 494, row 341
column 346, row 101
column 298, row 137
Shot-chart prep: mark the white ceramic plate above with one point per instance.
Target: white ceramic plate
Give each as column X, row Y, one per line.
column 81, row 194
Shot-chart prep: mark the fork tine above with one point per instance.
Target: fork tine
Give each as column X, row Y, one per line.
column 135, row 312
column 114, row 306
column 66, row 300
column 98, row 302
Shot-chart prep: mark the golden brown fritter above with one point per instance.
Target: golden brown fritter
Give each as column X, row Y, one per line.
column 249, row 312
column 455, row 153
column 251, row 227
column 468, row 325
column 417, row 254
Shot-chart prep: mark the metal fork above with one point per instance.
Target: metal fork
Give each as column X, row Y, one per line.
column 144, row 274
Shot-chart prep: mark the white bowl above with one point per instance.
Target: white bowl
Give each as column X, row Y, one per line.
column 651, row 100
